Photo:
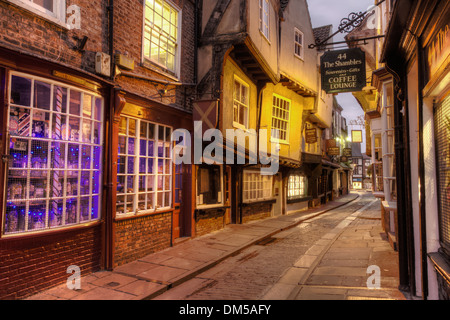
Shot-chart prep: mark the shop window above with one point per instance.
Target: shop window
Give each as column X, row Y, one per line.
column 209, row 185
column 144, row 167
column 54, row 169
column 297, row 186
column 161, row 34
column 442, row 134
column 256, row 186
column 280, row 118
column 240, row 103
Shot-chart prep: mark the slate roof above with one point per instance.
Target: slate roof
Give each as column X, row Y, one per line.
column 323, row 32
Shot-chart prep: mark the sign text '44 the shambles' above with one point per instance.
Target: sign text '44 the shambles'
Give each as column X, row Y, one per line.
column 343, row 70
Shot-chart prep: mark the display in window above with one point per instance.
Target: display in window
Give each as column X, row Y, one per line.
column 75, row 103
column 74, row 129
column 36, row 215
column 15, row 217
column 71, row 211
column 56, row 213
column 51, row 183
column 209, row 185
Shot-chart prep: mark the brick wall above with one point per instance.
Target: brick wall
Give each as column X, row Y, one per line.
column 24, row 31
column 138, row 237
column 256, row 211
column 28, row 266
column 128, row 41
column 209, row 220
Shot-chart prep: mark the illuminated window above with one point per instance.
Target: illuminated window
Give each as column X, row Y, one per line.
column 280, row 118
column 264, row 17
column 161, row 34
column 298, row 43
column 297, row 186
column 240, row 103
column 144, row 166
column 55, row 148
column 256, row 186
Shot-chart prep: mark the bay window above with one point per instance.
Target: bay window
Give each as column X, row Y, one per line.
column 55, row 151
column 144, row 167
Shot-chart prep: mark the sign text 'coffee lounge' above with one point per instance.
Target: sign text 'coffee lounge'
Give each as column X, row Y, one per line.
column 343, row 70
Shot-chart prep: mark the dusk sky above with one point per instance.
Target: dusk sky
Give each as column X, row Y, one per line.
column 324, row 12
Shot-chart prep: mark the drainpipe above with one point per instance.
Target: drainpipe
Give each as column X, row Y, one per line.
column 422, row 207
column 109, row 235
column 196, row 40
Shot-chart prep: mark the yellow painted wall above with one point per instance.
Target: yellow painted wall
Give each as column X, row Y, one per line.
column 292, row 149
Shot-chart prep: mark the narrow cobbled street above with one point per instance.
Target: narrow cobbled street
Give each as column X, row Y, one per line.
column 325, row 257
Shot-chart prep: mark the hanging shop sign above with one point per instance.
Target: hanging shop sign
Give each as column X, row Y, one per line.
column 311, row 135
column 343, row 70
column 206, row 112
column 347, row 152
column 334, row 151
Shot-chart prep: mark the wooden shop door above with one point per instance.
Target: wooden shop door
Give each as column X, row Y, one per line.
column 178, row 203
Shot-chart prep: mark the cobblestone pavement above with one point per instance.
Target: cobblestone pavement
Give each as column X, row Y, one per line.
column 320, row 253
column 325, row 257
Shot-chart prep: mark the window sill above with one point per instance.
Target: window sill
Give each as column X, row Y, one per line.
column 237, row 125
column 126, row 216
column 302, row 199
column 299, row 57
column 209, row 206
column 52, row 233
column 274, row 140
column 159, row 69
column 39, row 13
column 265, row 37
column 441, row 264
column 251, row 202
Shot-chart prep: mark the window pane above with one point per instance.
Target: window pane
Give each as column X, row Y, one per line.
column 46, row 4
column 19, row 122
column 75, row 102
column 42, row 95
column 20, row 91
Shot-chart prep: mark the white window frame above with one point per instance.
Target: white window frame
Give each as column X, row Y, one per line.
column 278, row 117
column 177, row 57
column 264, row 18
column 238, row 103
column 256, row 187
column 58, row 15
column 297, row 186
column 48, row 168
column 133, row 198
column 221, row 194
column 299, row 45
